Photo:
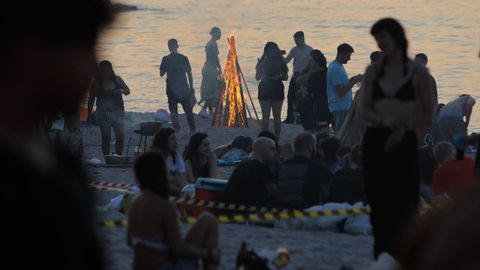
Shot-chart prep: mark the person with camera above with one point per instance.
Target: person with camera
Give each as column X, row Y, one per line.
column 271, row 71
column 176, row 66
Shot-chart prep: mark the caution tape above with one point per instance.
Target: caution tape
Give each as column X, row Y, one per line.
column 257, row 217
column 111, row 185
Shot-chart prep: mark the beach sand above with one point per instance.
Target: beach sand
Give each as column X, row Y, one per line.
column 308, row 249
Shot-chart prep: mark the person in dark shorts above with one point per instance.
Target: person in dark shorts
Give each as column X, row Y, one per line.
column 107, row 90
column 177, row 67
column 271, row 71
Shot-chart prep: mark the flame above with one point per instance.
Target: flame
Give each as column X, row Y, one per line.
column 234, row 104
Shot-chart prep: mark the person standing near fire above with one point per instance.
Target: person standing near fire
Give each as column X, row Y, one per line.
column 301, row 56
column 211, row 75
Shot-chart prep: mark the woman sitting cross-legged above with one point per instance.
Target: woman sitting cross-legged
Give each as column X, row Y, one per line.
column 199, row 159
column 153, row 231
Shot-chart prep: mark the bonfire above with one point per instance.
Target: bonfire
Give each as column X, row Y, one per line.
column 231, row 110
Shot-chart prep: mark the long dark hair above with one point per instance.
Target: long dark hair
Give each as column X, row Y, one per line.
column 272, row 56
column 160, row 142
column 102, row 67
column 191, row 151
column 397, row 33
column 151, row 173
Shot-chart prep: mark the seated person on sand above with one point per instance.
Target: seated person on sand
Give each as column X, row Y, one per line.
column 252, row 181
column 450, row 118
column 347, row 185
column 199, row 159
column 238, row 149
column 165, row 141
column 329, row 154
column 454, row 176
column 153, row 231
column 302, row 182
column 284, row 151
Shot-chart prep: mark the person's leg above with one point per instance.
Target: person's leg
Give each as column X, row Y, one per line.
column 173, row 107
column 265, row 106
column 277, row 111
column 339, row 119
column 119, row 139
column 204, row 234
column 291, row 100
column 187, row 108
column 105, row 133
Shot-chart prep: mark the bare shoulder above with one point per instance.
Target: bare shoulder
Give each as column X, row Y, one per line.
column 421, row 73
column 371, row 71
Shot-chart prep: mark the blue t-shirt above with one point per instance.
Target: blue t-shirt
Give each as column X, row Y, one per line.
column 337, row 75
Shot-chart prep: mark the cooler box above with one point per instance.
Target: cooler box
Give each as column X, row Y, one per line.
column 209, row 189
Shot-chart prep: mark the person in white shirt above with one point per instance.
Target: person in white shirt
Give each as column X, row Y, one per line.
column 451, row 117
column 301, row 56
column 165, row 141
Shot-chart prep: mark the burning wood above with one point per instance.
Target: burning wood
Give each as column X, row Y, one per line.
column 231, row 101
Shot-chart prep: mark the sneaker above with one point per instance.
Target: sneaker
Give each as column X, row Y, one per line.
column 287, row 121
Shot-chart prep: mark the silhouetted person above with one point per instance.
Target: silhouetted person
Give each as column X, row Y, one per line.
column 451, row 117
column 339, row 86
column 200, row 161
column 47, row 61
column 108, row 89
column 300, row 55
column 302, row 181
column 422, row 59
column 347, row 185
column 211, row 73
column 311, row 99
column 252, row 181
column 271, row 70
column 177, row 67
column 351, row 133
column 396, row 101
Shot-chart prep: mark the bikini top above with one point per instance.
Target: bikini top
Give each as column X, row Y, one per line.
column 405, row 93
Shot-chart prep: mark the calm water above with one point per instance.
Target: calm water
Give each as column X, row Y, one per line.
column 447, row 31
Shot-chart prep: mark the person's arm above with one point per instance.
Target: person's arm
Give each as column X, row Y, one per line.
column 212, row 162
column 124, row 90
column 289, row 56
column 178, row 246
column 189, row 175
column 342, row 89
column 190, row 79
column 163, row 68
column 303, row 78
column 366, row 99
column 468, row 110
column 91, row 97
column 188, row 69
column 423, row 88
column 181, row 178
column 259, row 70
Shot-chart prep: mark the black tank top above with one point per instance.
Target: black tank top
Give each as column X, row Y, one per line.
column 108, row 100
column 204, row 170
column 405, row 93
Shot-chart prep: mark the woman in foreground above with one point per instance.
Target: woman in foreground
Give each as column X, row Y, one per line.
column 153, row 231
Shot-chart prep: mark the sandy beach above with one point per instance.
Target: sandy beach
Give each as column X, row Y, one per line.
column 308, row 249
